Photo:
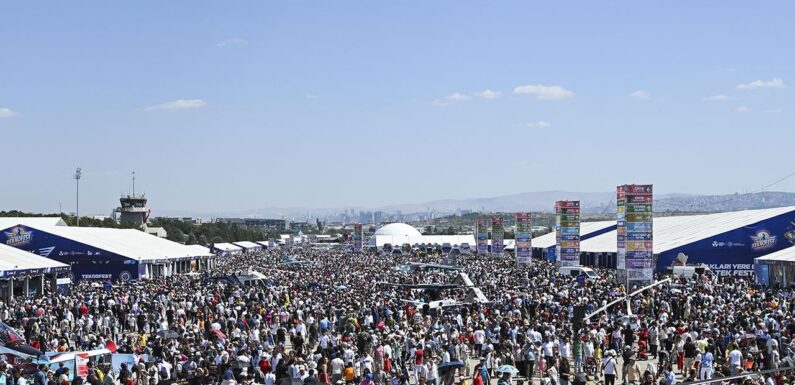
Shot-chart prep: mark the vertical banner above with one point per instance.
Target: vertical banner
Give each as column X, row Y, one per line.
column 639, row 243
column 524, row 235
column 81, row 363
column 358, row 235
column 497, row 236
column 567, row 237
column 482, row 233
column 621, row 228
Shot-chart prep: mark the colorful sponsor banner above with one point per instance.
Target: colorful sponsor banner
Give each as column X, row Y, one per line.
column 567, row 232
column 621, row 228
column 482, row 233
column 635, row 232
column 497, row 237
column 524, row 236
column 358, row 236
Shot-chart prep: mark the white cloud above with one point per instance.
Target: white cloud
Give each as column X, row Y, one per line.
column 489, row 94
column 640, row 95
column 6, row 112
column 544, row 92
column 452, row 98
column 715, row 98
column 231, row 42
column 180, row 104
column 539, row 124
column 311, row 96
column 772, row 83
column 743, row 109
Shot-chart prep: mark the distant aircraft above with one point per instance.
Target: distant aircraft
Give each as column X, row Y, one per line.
column 417, row 266
column 12, row 343
column 474, row 294
column 627, row 298
column 290, row 261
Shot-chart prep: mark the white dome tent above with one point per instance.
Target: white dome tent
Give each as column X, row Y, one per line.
column 398, row 234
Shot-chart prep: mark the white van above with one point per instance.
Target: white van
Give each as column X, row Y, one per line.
column 689, row 271
column 575, row 271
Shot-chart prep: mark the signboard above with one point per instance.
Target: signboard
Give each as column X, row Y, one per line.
column 482, row 234
column 567, row 232
column 497, row 237
column 81, row 365
column 358, row 236
column 524, row 236
column 636, row 243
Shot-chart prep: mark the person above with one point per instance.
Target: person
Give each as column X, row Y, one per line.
column 706, row 367
column 564, row 370
column 691, row 351
column 368, row 379
column 609, row 367
column 633, row 372
column 505, row 379
column 39, row 378
column 735, row 361
column 552, row 372
column 349, row 374
column 668, row 376
column 530, row 360
column 484, row 371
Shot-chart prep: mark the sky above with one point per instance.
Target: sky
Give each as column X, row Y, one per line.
column 235, row 105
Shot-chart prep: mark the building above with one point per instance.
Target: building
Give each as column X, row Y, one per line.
column 156, row 231
column 275, row 224
column 133, row 210
column 727, row 242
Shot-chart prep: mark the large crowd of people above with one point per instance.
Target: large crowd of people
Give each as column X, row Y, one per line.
column 340, row 319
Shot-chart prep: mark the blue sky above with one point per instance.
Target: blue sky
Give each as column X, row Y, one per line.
column 246, row 104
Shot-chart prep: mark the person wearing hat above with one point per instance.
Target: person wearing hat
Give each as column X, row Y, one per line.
column 609, row 367
column 633, row 374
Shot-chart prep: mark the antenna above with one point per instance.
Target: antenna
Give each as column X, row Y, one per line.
column 133, row 182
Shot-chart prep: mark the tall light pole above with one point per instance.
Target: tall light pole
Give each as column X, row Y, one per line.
column 78, row 174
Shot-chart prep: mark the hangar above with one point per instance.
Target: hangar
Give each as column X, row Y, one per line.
column 727, row 242
column 104, row 253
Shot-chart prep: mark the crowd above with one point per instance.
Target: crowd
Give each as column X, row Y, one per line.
column 334, row 321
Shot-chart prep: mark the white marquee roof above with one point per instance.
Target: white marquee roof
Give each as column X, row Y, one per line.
column 227, row 247
column 548, row 239
column 247, row 245
column 6, row 222
column 673, row 232
column 783, row 255
column 130, row 243
column 13, row 259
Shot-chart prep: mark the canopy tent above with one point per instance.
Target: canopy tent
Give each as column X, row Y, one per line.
column 104, row 253
column 227, row 248
column 15, row 262
column 248, row 246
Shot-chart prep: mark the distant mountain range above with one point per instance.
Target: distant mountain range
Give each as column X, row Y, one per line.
column 591, row 202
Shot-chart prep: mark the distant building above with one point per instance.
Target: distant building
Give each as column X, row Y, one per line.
column 133, row 210
column 275, row 224
column 156, row 231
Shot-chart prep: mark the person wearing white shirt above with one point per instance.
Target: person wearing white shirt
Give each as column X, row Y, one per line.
column 735, row 361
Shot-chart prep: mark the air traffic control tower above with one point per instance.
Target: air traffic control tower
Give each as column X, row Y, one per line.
column 132, row 210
